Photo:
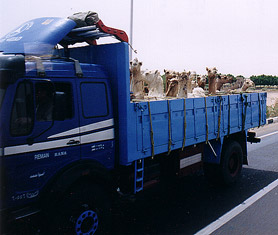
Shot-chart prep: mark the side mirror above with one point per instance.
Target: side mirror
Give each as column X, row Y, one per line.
column 59, row 106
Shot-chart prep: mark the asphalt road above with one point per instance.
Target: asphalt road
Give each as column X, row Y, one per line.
column 260, row 217
column 190, row 204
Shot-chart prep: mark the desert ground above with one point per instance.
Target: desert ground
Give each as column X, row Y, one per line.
column 272, row 97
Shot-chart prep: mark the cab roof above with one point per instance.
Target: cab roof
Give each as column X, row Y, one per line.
column 39, row 36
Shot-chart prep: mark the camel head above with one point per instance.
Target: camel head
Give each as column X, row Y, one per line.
column 192, row 74
column 247, row 83
column 201, row 81
column 211, row 72
column 170, row 74
column 183, row 75
column 135, row 66
column 221, row 80
column 225, row 79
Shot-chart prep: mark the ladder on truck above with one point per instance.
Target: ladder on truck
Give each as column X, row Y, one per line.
column 138, row 175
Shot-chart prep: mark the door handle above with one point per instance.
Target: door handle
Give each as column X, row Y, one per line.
column 73, row 142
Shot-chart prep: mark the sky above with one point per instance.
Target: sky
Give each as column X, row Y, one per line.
column 238, row 37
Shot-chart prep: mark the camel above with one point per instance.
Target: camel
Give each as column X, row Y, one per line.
column 173, row 87
column 155, row 84
column 182, row 84
column 197, row 92
column 191, row 81
column 221, row 80
column 201, row 81
column 238, row 84
column 246, row 84
column 137, row 79
column 178, row 86
column 169, row 74
column 212, row 72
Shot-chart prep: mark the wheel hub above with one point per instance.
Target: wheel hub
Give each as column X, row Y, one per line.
column 87, row 223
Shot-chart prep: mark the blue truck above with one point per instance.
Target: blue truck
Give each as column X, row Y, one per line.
column 72, row 140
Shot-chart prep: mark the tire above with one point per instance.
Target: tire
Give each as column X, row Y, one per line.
column 85, row 209
column 231, row 162
column 229, row 170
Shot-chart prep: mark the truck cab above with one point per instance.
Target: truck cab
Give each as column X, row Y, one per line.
column 57, row 118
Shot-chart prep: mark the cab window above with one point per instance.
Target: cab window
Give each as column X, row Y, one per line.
column 44, row 101
column 94, row 99
column 22, row 118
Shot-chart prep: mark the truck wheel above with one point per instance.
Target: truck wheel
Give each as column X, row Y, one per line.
column 229, row 170
column 85, row 209
column 231, row 162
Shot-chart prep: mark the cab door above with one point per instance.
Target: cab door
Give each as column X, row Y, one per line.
column 41, row 139
column 96, row 121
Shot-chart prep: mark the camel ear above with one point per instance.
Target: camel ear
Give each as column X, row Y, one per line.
column 207, row 68
column 156, row 71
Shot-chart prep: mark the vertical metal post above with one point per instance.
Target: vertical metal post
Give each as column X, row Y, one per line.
column 131, row 30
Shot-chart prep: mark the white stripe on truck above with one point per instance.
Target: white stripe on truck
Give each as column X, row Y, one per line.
column 85, row 139
column 190, row 160
column 86, row 128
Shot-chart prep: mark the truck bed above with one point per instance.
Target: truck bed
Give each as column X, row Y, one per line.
column 189, row 121
column 173, row 121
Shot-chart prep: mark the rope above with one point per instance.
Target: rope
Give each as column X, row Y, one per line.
column 244, row 113
column 229, row 115
column 206, row 120
column 260, row 111
column 184, row 124
column 135, row 51
column 219, row 119
column 151, row 131
column 169, row 128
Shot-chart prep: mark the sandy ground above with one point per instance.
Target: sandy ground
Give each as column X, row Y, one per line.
column 272, row 97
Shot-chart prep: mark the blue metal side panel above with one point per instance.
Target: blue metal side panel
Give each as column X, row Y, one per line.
column 235, row 113
column 230, row 119
column 212, row 117
column 262, row 107
column 36, row 36
column 256, row 107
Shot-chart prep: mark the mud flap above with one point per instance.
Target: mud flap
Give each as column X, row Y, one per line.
column 212, row 151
